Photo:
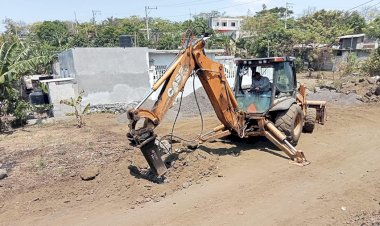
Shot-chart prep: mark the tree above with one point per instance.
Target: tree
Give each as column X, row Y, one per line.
column 355, row 22
column 54, row 33
column 373, row 28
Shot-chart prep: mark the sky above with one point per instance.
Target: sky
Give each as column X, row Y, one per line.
column 30, row 11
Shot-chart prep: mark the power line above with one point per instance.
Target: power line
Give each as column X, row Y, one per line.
column 231, row 6
column 365, row 3
column 191, row 4
column 181, row 3
column 373, row 6
column 239, row 4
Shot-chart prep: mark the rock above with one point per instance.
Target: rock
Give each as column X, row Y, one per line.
column 377, row 91
column 164, row 144
column 371, row 81
column 89, row 173
column 139, row 200
column 220, row 175
column 369, row 93
column 361, row 80
column 186, row 184
column 148, row 186
column 182, row 156
column 3, row 174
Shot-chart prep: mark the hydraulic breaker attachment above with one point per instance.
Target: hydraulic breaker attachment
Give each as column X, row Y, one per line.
column 153, row 155
column 279, row 139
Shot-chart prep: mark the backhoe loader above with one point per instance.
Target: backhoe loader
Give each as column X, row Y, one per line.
column 280, row 114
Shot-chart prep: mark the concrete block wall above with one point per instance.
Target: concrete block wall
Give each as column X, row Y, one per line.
column 108, row 75
column 61, row 91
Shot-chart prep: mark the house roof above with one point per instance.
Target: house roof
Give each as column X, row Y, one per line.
column 351, row 36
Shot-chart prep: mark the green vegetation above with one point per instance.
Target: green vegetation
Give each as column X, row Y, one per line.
column 76, row 105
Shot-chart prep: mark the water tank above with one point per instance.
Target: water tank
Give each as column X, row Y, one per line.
column 38, row 98
column 125, row 41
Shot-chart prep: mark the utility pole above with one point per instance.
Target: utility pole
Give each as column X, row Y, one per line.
column 94, row 14
column 288, row 5
column 147, row 19
column 268, row 53
column 76, row 23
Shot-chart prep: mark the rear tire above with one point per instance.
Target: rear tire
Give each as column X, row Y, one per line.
column 310, row 120
column 290, row 122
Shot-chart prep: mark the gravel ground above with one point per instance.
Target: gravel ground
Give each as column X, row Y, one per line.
column 332, row 96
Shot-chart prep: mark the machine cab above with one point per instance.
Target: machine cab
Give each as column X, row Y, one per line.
column 260, row 83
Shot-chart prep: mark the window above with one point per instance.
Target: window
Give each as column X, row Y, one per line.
column 217, row 23
column 224, row 24
column 233, row 24
column 284, row 77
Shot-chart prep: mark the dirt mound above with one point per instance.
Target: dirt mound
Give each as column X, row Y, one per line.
column 46, row 164
column 363, row 87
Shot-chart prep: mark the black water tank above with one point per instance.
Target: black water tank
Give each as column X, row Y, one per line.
column 125, row 41
column 38, row 98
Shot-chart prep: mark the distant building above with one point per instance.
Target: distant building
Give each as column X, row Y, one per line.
column 358, row 44
column 226, row 25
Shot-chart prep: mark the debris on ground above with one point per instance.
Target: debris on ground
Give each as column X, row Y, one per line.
column 365, row 218
column 347, row 90
column 3, row 174
column 89, row 173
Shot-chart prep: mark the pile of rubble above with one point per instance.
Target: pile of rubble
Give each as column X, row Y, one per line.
column 367, row 88
column 117, row 108
column 349, row 90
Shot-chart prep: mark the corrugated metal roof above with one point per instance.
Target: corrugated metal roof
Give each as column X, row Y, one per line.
column 351, row 36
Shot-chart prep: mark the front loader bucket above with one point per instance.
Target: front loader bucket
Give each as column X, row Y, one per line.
column 153, row 157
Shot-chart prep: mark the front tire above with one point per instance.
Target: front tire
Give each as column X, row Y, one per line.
column 290, row 122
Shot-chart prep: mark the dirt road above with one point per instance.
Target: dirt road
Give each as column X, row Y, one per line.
column 254, row 184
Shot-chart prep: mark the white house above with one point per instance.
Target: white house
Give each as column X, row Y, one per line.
column 227, row 25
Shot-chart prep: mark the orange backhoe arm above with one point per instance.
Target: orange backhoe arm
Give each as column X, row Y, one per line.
column 211, row 75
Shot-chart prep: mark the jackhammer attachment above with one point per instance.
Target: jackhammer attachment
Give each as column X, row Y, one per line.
column 153, row 155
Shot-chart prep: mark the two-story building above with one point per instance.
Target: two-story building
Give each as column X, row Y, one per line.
column 226, row 25
column 358, row 44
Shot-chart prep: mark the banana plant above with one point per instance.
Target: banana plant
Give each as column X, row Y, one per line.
column 17, row 59
column 75, row 103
